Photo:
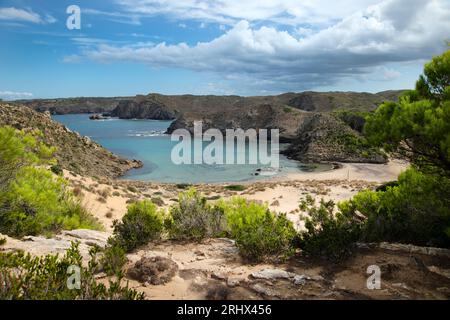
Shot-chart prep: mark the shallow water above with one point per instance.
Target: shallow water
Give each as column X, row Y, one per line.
column 145, row 140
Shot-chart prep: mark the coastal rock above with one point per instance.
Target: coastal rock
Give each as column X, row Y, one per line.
column 40, row 246
column 154, row 270
column 272, row 274
column 325, row 138
column 73, row 152
column 142, row 108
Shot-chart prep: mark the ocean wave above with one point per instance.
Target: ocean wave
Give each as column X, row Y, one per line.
column 150, row 133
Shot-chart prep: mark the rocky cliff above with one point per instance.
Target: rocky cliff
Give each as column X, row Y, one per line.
column 74, row 152
column 287, row 112
column 326, row 138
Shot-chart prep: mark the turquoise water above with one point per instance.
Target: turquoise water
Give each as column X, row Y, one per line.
column 145, row 140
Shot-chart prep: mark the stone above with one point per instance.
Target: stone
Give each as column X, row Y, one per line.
column 218, row 276
column 263, row 290
column 272, row 274
column 300, row 280
column 233, row 282
column 154, row 270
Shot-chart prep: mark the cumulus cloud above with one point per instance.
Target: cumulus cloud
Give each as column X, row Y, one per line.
column 24, row 15
column 266, row 57
column 12, row 95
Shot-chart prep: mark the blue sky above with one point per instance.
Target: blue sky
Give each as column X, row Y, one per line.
column 128, row 47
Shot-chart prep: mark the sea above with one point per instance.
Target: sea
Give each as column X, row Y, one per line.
column 146, row 140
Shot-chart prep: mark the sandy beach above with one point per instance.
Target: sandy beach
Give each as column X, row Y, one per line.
column 108, row 200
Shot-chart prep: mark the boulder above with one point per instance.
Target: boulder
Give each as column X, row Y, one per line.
column 272, row 274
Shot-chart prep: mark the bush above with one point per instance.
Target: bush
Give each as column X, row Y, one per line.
column 416, row 210
column 113, row 259
column 259, row 233
column 19, row 149
column 142, row 223
column 193, row 218
column 328, row 235
column 56, row 169
column 37, row 202
column 23, row 277
column 235, row 187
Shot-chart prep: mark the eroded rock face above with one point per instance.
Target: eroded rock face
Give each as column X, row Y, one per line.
column 324, row 138
column 154, row 270
column 142, row 109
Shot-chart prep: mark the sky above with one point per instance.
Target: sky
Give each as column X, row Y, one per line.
column 222, row 47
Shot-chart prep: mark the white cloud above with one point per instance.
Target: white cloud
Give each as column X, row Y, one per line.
column 12, row 95
column 73, row 58
column 266, row 57
column 292, row 12
column 24, row 15
column 182, row 25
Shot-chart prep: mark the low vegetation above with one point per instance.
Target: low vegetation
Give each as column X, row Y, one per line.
column 416, row 208
column 142, row 222
column 33, row 200
column 259, row 233
column 328, row 234
column 24, row 277
column 235, row 187
column 193, row 218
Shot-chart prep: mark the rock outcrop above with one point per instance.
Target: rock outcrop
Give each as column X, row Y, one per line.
column 141, row 108
column 325, row 138
column 58, row 244
column 74, row 152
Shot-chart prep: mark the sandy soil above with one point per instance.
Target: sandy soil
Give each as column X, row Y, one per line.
column 108, row 200
column 213, row 269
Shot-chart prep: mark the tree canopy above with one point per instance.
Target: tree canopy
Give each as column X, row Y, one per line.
column 417, row 127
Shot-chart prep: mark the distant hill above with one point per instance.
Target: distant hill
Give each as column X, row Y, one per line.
column 286, row 112
column 191, row 105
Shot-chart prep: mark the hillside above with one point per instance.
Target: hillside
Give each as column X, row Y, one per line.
column 286, row 112
column 191, row 105
column 74, row 152
column 72, row 105
column 325, row 138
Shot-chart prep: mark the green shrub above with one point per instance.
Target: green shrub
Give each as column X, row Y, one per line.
column 142, row 223
column 183, row 186
column 2, row 241
column 19, row 149
column 56, row 169
column 132, row 189
column 415, row 211
column 235, row 187
column 113, row 259
column 37, row 202
column 287, row 109
column 193, row 218
column 23, row 277
column 328, row 235
column 259, row 233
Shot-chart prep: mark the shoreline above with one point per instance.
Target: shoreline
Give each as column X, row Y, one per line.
column 369, row 172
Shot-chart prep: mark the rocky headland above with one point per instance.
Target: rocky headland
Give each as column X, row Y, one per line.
column 307, row 120
column 74, row 152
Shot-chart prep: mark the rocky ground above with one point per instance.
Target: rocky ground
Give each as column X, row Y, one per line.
column 213, row 269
